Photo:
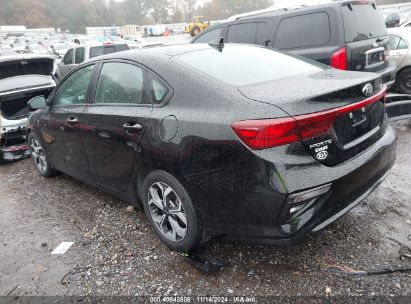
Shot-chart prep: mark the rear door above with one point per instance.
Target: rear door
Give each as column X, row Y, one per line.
column 115, row 123
column 366, row 39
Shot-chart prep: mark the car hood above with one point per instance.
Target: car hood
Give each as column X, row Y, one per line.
column 26, row 82
column 295, row 94
column 18, row 65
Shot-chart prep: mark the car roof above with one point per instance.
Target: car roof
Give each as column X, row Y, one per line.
column 158, row 51
column 281, row 10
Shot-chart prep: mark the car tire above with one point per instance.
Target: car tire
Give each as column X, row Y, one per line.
column 40, row 157
column 404, row 81
column 179, row 230
column 195, row 31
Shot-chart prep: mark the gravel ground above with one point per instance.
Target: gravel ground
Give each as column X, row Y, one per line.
column 116, row 252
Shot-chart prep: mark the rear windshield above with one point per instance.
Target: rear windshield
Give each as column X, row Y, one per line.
column 362, row 21
column 240, row 65
column 107, row 49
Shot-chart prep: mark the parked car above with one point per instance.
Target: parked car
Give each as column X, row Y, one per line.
column 347, row 35
column 21, row 78
column 400, row 41
column 76, row 55
column 237, row 141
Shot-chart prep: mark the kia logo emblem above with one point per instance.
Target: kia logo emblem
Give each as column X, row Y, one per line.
column 375, row 44
column 367, row 89
column 322, row 155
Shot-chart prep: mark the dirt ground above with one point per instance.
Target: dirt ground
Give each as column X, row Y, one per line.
column 115, row 251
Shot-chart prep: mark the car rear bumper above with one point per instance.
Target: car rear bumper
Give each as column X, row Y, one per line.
column 346, row 192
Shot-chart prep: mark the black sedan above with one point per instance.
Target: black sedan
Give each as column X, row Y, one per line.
column 230, row 141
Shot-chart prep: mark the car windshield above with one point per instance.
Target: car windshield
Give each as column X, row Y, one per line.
column 241, row 65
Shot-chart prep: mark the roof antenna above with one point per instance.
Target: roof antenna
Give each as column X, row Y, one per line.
column 217, row 44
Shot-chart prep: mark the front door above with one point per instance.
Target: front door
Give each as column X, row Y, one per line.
column 115, row 124
column 61, row 125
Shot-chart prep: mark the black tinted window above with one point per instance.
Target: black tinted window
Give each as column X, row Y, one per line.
column 362, row 21
column 209, row 36
column 79, row 57
column 74, row 89
column 101, row 50
column 242, row 33
column 122, row 47
column 120, row 83
column 68, row 58
column 244, row 65
column 303, row 31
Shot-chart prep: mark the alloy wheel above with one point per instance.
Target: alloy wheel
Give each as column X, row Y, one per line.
column 38, row 155
column 167, row 211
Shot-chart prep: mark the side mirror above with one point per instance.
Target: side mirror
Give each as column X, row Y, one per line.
column 36, row 103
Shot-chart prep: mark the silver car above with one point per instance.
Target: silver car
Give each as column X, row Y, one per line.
column 400, row 42
column 76, row 55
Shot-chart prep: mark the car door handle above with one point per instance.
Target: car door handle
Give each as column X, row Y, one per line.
column 72, row 121
column 132, row 127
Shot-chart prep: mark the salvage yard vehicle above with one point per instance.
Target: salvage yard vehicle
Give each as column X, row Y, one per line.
column 76, row 55
column 234, row 141
column 196, row 26
column 400, row 39
column 21, row 78
column 347, row 35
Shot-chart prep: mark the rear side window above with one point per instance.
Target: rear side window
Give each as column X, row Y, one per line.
column 79, row 57
column 68, row 58
column 158, row 90
column 243, row 33
column 120, row 83
column 209, row 36
column 303, row 31
column 122, row 47
column 362, row 21
column 101, row 50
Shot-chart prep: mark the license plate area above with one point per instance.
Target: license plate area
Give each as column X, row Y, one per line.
column 374, row 58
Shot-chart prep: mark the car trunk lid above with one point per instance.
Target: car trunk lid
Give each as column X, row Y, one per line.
column 356, row 120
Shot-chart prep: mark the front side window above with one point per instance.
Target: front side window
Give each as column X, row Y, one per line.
column 68, row 58
column 74, row 89
column 209, row 36
column 101, row 50
column 120, row 83
column 79, row 58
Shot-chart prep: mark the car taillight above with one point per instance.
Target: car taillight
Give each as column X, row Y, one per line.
column 267, row 133
column 339, row 59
